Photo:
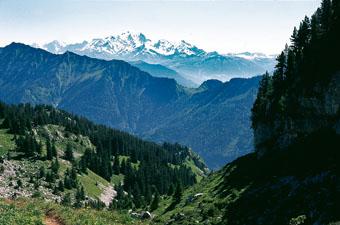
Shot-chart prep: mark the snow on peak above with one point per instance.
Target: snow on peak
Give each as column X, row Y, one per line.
column 53, row 46
column 132, row 46
column 250, row 55
column 127, row 43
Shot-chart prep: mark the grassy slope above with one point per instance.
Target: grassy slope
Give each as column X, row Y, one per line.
column 191, row 209
column 93, row 184
column 277, row 189
column 79, row 144
column 199, row 173
column 117, row 179
column 6, row 142
column 34, row 211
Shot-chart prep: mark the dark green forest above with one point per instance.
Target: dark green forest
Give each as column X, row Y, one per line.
column 310, row 60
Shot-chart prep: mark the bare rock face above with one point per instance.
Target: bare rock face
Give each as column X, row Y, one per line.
column 16, row 172
column 108, row 195
column 141, row 215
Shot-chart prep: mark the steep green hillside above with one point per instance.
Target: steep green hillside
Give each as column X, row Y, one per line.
column 298, row 183
column 54, row 155
column 199, row 204
column 293, row 177
column 214, row 120
column 16, row 167
column 7, row 143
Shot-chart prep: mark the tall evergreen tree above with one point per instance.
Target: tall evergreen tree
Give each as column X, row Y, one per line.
column 54, row 150
column 49, row 154
column 178, row 193
column 66, row 199
column 155, row 201
column 116, row 165
column 69, row 153
column 55, row 166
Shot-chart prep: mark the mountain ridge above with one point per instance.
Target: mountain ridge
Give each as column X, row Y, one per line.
column 195, row 64
column 124, row 97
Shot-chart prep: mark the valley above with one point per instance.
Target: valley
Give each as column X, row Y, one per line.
column 101, row 141
column 209, row 119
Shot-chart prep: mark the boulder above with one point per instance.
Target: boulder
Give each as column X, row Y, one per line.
column 146, row 215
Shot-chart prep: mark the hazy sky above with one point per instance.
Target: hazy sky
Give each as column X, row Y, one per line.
column 224, row 26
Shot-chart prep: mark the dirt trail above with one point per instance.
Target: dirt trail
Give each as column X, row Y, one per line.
column 51, row 221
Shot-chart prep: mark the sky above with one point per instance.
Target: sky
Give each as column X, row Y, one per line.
column 223, row 26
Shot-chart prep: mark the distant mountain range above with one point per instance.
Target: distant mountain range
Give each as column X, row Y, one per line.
column 213, row 119
column 158, row 70
column 191, row 62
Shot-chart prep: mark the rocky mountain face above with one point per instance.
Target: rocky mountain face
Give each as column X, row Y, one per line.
column 193, row 63
column 323, row 104
column 213, row 119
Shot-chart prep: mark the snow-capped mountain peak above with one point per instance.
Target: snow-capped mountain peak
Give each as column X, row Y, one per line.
column 127, row 44
column 251, row 55
column 186, row 59
column 53, row 46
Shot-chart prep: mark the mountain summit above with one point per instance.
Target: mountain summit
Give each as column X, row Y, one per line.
column 193, row 63
column 126, row 46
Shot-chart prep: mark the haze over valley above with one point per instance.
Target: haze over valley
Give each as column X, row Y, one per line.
column 192, row 64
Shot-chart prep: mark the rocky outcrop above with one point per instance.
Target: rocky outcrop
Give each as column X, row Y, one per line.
column 108, row 195
column 317, row 109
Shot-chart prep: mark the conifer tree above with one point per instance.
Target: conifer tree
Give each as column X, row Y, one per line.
column 54, row 150
column 66, row 199
column 171, row 190
column 137, row 198
column 148, row 195
column 116, row 166
column 55, row 166
column 42, row 172
column 178, row 193
column 155, row 201
column 61, row 186
column 49, row 154
column 325, row 17
column 69, row 153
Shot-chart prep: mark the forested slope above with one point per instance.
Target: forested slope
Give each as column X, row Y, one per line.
column 56, row 150
column 292, row 177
